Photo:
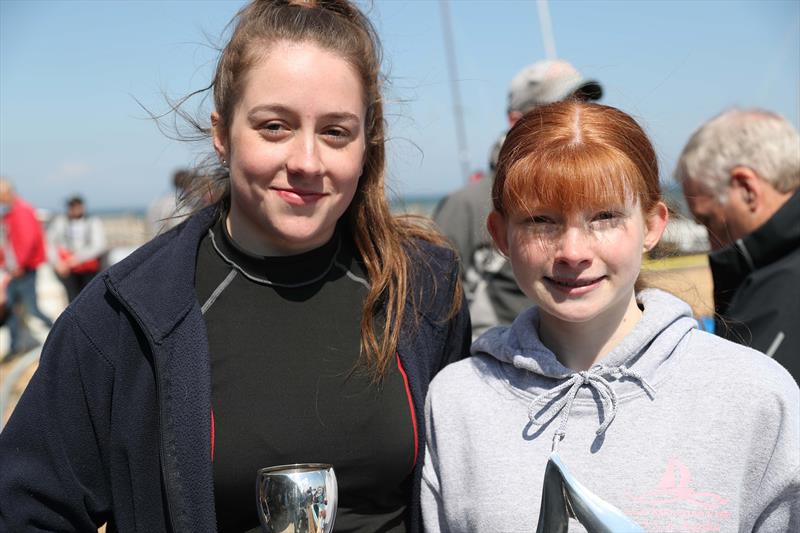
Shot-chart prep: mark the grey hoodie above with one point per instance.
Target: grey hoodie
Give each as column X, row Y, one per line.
column 681, row 430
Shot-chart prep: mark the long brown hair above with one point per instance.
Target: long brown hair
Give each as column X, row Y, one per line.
column 383, row 241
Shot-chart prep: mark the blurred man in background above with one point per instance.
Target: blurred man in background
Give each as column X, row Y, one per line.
column 77, row 245
column 23, row 251
column 166, row 211
column 192, row 191
column 492, row 293
column 740, row 174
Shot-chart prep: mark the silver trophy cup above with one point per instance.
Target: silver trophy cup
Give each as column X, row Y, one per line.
column 299, row 498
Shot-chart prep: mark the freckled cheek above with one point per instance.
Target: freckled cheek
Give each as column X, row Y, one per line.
column 624, row 252
column 528, row 262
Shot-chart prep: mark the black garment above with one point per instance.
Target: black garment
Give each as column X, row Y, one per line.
column 74, row 282
column 116, row 423
column 757, row 288
column 489, row 283
column 284, row 336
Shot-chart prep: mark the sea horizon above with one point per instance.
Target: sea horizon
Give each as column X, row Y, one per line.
column 417, row 203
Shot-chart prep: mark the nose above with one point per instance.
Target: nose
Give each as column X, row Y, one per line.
column 573, row 248
column 304, row 157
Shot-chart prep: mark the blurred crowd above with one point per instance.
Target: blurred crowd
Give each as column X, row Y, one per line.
column 281, row 313
column 73, row 244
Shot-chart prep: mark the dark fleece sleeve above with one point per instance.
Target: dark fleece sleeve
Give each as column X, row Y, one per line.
column 459, row 335
column 440, row 277
column 52, row 474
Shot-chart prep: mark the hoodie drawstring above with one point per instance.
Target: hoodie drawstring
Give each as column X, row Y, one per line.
column 569, row 390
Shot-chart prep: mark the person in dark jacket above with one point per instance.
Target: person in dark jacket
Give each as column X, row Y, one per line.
column 294, row 321
column 493, row 296
column 740, row 174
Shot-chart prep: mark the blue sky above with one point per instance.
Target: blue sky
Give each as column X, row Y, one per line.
column 71, row 72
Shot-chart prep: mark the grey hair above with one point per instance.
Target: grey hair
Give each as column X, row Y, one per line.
column 762, row 141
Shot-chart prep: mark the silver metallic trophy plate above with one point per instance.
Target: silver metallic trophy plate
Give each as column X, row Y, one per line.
column 298, row 498
column 563, row 496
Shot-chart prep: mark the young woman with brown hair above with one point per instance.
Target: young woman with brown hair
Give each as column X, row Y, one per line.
column 295, row 320
column 677, row 429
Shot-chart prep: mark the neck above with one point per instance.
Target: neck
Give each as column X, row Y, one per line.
column 251, row 238
column 580, row 345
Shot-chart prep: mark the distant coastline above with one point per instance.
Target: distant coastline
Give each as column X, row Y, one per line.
column 425, row 203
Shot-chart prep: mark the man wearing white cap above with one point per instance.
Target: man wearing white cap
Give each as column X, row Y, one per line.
column 489, row 284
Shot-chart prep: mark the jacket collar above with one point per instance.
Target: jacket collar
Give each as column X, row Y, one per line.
column 160, row 302
column 778, row 236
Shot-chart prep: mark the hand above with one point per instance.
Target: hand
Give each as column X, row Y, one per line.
column 4, row 279
column 62, row 269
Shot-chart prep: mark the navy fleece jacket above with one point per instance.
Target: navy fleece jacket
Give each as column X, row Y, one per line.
column 115, row 425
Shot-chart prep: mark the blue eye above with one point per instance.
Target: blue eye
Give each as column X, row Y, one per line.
column 541, row 224
column 607, row 219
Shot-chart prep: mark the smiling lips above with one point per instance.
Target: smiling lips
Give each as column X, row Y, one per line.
column 574, row 287
column 298, row 196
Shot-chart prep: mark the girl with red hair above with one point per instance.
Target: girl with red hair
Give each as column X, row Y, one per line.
column 667, row 427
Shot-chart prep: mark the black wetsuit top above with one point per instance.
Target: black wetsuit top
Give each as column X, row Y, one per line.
column 284, row 337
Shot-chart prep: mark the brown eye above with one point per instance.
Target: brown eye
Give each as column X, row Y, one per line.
column 337, row 136
column 273, row 129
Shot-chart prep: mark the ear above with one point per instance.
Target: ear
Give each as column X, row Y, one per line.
column 746, row 183
column 497, row 225
column 218, row 137
column 655, row 222
column 513, row 117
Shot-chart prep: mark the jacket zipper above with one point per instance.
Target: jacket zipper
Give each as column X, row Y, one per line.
column 161, row 452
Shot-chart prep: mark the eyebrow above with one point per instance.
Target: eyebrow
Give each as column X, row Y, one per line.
column 281, row 109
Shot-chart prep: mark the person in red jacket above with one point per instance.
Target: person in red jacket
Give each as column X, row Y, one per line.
column 23, row 251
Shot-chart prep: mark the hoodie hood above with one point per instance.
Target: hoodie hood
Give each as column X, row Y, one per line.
column 632, row 366
column 519, row 344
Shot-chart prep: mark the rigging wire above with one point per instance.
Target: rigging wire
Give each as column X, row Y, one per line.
column 546, row 28
column 452, row 69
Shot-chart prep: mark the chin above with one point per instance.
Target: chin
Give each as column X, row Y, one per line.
column 575, row 318
column 570, row 313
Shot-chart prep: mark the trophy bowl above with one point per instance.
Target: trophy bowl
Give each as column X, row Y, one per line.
column 298, row 498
